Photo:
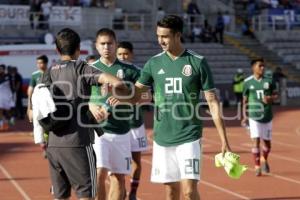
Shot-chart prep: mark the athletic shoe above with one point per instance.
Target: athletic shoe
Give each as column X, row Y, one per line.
column 265, row 167
column 257, row 171
column 132, row 196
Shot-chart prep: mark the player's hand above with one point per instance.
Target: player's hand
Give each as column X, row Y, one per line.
column 29, row 115
column 225, row 148
column 99, row 112
column 244, row 122
column 112, row 101
column 105, row 89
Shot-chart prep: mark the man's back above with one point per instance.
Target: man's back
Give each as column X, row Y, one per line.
column 70, row 83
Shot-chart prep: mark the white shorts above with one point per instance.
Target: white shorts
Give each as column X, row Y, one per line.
column 113, row 152
column 173, row 164
column 138, row 139
column 260, row 130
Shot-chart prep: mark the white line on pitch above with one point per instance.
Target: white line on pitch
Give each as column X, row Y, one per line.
column 17, row 186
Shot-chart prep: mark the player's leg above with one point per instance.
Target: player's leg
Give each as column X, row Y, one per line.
column 190, row 189
column 255, row 132
column 117, row 186
column 102, row 148
column 172, row 191
column 79, row 165
column 135, row 174
column 266, row 149
column 138, row 141
column 165, row 169
column 120, row 165
column 256, row 155
column 61, row 187
column 101, row 178
column 189, row 159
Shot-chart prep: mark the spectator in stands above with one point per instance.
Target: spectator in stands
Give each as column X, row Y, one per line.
column 277, row 76
column 227, row 20
column 219, row 28
column 34, row 13
column 196, row 33
column 207, row 34
column 251, row 8
column 160, row 13
column 46, row 7
column 246, row 30
column 85, row 3
column 193, row 11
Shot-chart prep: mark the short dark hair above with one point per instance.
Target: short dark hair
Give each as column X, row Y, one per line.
column 67, row 41
column 44, row 58
column 91, row 57
column 255, row 60
column 106, row 31
column 126, row 45
column 173, row 22
column 2, row 66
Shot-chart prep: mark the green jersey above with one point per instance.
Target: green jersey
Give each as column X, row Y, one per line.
column 118, row 120
column 35, row 77
column 177, row 84
column 254, row 91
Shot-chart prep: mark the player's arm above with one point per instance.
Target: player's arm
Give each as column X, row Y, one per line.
column 141, row 94
column 114, row 85
column 215, row 110
column 29, row 103
column 244, row 111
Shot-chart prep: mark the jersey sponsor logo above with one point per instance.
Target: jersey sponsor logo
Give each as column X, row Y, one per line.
column 161, row 71
column 120, row 74
column 187, row 70
column 266, row 85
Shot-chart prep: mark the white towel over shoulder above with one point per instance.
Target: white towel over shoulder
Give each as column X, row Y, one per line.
column 42, row 105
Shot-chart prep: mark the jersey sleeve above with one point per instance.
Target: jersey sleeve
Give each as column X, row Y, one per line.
column 135, row 73
column 207, row 82
column 91, row 74
column 32, row 82
column 245, row 90
column 146, row 75
column 46, row 77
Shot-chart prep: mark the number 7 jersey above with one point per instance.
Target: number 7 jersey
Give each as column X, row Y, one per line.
column 177, row 84
column 255, row 90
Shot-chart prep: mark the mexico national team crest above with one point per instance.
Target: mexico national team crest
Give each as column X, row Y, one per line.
column 120, row 74
column 266, row 85
column 187, row 70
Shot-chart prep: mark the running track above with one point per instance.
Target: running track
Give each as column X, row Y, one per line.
column 24, row 172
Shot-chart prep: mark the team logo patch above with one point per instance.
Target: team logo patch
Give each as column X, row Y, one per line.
column 251, row 87
column 187, row 70
column 161, row 71
column 266, row 85
column 120, row 74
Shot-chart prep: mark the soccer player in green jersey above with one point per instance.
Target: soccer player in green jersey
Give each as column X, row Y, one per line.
column 178, row 75
column 112, row 149
column 259, row 93
column 138, row 138
column 41, row 63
